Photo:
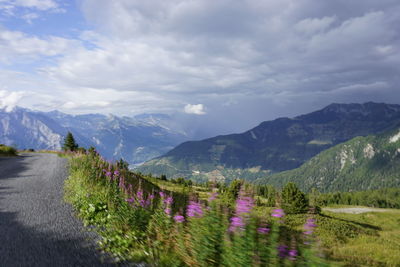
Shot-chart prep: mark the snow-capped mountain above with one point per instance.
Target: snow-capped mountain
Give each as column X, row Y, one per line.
column 134, row 139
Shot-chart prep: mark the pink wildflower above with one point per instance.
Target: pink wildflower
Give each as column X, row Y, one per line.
column 179, row 218
column 278, row 213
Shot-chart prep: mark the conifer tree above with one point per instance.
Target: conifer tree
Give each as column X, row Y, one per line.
column 69, row 143
column 293, row 200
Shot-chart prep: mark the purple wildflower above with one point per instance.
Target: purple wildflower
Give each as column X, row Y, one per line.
column 108, row 174
column 194, row 209
column 309, row 226
column 244, row 205
column 278, row 213
column 162, row 194
column 236, row 222
column 282, row 251
column 292, row 254
column 179, row 218
column 151, row 196
column 168, row 200
column 167, row 211
column 263, row 230
column 213, row 196
column 130, row 200
column 116, row 173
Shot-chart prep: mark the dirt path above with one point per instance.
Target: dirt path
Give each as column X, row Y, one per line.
column 355, row 210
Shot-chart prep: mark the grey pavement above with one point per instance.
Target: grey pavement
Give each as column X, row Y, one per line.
column 37, row 228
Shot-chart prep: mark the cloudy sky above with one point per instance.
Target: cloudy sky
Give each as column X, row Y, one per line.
column 228, row 64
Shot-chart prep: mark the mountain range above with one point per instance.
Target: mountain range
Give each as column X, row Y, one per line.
column 135, row 139
column 362, row 163
column 274, row 146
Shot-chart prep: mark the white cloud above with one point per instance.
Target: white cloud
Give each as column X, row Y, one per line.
column 34, row 4
column 8, row 100
column 153, row 56
column 16, row 44
column 197, row 109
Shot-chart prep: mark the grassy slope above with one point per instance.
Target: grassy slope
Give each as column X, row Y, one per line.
column 376, row 242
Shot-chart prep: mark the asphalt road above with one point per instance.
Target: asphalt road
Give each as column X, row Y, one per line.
column 36, row 227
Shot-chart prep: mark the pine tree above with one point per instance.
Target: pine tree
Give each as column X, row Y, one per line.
column 69, row 143
column 293, row 200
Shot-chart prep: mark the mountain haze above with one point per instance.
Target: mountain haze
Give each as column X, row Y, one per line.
column 274, row 146
column 133, row 139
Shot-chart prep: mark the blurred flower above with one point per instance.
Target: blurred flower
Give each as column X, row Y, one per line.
column 244, row 205
column 108, row 174
column 162, row 194
column 282, row 251
column 116, row 173
column 279, row 213
column 179, row 218
column 263, row 230
column 168, row 200
column 167, row 211
column 194, row 209
column 236, row 222
column 309, row 226
column 292, row 254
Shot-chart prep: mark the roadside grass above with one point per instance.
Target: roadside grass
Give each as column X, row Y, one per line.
column 368, row 239
column 7, row 151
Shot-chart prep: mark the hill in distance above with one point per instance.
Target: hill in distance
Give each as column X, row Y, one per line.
column 362, row 163
column 274, row 146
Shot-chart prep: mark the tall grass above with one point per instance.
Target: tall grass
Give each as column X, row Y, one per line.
column 140, row 222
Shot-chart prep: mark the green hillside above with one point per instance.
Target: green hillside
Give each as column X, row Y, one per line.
column 362, row 163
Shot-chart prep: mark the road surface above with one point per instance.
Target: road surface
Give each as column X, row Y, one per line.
column 36, row 227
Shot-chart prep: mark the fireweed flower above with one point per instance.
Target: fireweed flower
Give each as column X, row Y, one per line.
column 292, row 254
column 278, row 213
column 309, row 226
column 236, row 222
column 167, row 210
column 282, row 251
column 194, row 209
column 243, row 207
column 263, row 230
column 168, row 200
column 179, row 218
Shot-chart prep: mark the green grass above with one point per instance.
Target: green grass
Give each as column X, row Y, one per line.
column 371, row 238
column 7, row 151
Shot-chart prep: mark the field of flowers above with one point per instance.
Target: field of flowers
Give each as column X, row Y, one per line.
column 140, row 222
column 163, row 223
